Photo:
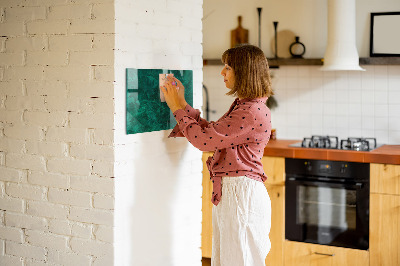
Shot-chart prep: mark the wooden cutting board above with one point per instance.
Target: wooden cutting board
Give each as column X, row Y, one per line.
column 239, row 35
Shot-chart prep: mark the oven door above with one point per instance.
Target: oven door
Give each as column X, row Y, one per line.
column 327, row 213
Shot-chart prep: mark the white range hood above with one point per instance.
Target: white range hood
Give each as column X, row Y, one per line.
column 341, row 51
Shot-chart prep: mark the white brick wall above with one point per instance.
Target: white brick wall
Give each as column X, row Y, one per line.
column 56, row 132
column 59, row 128
column 25, row 221
column 156, row 177
column 68, row 258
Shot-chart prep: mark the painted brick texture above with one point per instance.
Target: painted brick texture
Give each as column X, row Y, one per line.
column 62, row 135
column 56, row 132
column 157, row 180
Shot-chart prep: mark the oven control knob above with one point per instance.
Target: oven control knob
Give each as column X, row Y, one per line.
column 308, row 166
column 343, row 168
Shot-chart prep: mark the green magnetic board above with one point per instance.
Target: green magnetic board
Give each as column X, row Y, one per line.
column 145, row 111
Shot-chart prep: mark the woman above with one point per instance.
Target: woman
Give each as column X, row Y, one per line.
column 242, row 208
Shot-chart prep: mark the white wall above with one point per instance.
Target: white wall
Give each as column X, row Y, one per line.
column 62, row 138
column 344, row 103
column 56, row 132
column 313, row 102
column 158, row 180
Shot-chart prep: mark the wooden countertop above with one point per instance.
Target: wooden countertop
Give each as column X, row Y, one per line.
column 389, row 154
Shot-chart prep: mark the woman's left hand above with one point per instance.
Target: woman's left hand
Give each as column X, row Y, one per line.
column 171, row 95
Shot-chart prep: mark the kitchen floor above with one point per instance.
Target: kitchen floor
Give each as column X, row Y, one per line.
column 206, row 261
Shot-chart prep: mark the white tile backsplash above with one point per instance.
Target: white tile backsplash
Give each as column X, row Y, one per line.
column 342, row 109
column 381, row 96
column 367, row 110
column 382, row 136
column 343, row 103
column 342, row 123
column 367, row 97
column 381, row 83
column 393, row 110
column 394, row 97
column 329, row 109
column 381, row 71
column 393, row 71
column 394, row 123
column 381, row 110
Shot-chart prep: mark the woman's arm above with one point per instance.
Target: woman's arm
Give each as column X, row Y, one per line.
column 237, row 128
column 189, row 110
column 193, row 113
column 234, row 129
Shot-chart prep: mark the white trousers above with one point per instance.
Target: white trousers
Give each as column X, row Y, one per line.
column 241, row 223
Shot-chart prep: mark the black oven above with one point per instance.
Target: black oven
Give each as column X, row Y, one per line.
column 327, row 202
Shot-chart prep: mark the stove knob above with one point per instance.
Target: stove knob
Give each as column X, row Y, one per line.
column 308, row 166
column 343, row 168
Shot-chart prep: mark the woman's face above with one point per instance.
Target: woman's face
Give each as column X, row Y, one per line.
column 229, row 76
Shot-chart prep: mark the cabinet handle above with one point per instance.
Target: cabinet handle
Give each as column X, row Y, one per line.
column 325, row 254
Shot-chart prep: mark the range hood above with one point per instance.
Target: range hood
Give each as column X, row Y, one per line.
column 341, row 51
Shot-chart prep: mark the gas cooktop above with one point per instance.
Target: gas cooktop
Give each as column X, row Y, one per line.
column 332, row 142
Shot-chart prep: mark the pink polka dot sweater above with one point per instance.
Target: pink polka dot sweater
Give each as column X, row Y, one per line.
column 238, row 139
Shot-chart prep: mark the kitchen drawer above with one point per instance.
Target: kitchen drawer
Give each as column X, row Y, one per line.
column 384, row 236
column 305, row 254
column 385, row 178
column 274, row 168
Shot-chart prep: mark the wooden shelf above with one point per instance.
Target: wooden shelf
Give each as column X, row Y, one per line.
column 380, row 61
column 274, row 63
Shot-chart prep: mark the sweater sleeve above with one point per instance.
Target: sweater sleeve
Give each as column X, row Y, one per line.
column 229, row 131
column 193, row 113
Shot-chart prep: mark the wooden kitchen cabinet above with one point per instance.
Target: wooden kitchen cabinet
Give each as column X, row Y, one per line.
column 277, row 233
column 384, row 236
column 206, row 225
column 385, row 178
column 274, row 168
column 305, row 254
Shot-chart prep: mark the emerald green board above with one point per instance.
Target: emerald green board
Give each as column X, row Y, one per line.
column 145, row 111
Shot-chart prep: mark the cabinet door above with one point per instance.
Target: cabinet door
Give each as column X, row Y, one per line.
column 385, row 178
column 277, row 233
column 384, row 229
column 274, row 168
column 206, row 226
column 304, row 254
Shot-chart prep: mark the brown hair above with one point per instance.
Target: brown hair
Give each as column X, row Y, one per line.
column 250, row 66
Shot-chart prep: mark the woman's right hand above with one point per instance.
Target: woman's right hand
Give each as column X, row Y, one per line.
column 181, row 91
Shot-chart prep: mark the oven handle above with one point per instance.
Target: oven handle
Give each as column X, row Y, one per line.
column 324, row 254
column 357, row 185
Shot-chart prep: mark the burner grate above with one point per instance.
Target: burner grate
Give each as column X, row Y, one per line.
column 332, row 142
column 358, row 144
column 327, row 142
